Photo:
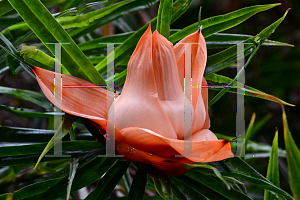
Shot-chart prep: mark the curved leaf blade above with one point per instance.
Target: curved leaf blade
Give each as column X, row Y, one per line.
column 45, row 26
column 221, row 22
column 273, row 170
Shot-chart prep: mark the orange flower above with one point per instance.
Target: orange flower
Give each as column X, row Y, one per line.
column 149, row 114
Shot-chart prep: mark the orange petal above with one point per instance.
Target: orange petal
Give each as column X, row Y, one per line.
column 169, row 89
column 204, row 135
column 150, row 142
column 139, row 105
column 84, row 102
column 147, row 141
column 171, row 166
column 199, row 57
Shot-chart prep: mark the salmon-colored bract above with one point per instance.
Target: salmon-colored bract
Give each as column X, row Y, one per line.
column 149, row 113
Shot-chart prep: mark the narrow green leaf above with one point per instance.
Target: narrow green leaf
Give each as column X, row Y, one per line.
column 221, row 40
column 13, row 65
column 253, row 176
column 16, row 134
column 224, row 90
column 222, row 22
column 108, row 182
column 260, row 183
column 249, row 130
column 162, row 183
column 116, row 14
column 199, row 190
column 27, row 95
column 293, row 153
column 94, row 44
column 224, row 58
column 179, row 191
column 38, row 148
column 216, row 186
column 127, row 181
column 45, row 26
column 84, row 176
column 40, row 59
column 70, row 4
column 164, row 17
column 216, row 78
column 73, row 165
column 86, row 19
column 36, row 188
column 293, row 158
column 215, row 170
column 273, row 170
column 61, row 132
column 30, row 113
column 16, row 43
column 83, row 161
column 137, row 188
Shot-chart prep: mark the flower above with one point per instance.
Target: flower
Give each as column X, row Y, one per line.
column 149, row 113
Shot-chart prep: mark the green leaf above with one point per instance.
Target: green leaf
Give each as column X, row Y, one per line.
column 179, row 191
column 40, row 59
column 216, row 185
column 16, row 134
column 120, row 12
column 73, row 164
column 7, row 196
column 293, row 158
column 224, row 58
column 5, row 7
column 137, row 188
column 259, row 183
column 221, row 40
column 273, row 170
column 86, row 19
column 109, row 181
column 215, row 170
column 199, row 190
column 45, row 26
column 94, row 44
column 34, row 97
column 162, row 183
column 249, row 130
column 36, row 188
column 292, row 151
column 38, row 148
column 12, row 64
column 253, row 177
column 216, row 78
column 84, row 176
column 61, row 132
column 83, row 161
column 30, row 113
column 16, row 43
column 164, row 17
column 222, row 22
column 70, row 4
